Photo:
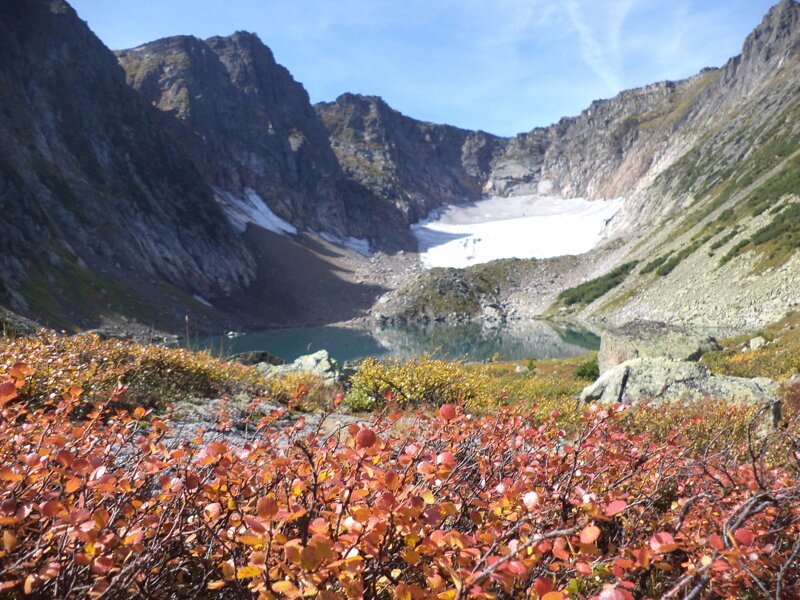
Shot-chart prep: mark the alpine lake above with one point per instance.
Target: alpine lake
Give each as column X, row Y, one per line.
column 471, row 342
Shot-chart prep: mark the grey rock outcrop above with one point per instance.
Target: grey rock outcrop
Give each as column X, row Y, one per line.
column 410, row 166
column 651, row 339
column 666, row 380
column 319, row 363
column 13, row 325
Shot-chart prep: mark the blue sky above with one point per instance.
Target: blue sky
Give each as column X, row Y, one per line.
column 504, row 66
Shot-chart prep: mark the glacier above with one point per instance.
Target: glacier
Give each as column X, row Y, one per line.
column 515, row 227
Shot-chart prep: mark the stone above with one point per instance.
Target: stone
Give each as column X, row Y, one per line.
column 13, row 325
column 319, row 364
column 257, row 356
column 668, row 380
column 651, row 339
column 757, row 343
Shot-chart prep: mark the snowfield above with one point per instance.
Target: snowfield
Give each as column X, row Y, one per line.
column 252, row 209
column 517, row 227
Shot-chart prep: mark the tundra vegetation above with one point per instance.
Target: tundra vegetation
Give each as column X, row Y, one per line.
column 464, row 480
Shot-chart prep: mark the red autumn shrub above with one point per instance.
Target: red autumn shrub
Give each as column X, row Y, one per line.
column 499, row 506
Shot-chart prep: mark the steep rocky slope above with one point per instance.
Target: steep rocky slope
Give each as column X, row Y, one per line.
column 408, row 164
column 100, row 210
column 725, row 198
column 249, row 125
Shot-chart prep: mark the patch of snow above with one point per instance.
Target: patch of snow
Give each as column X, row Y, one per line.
column 251, row 208
column 353, row 243
column 516, row 227
column 202, row 300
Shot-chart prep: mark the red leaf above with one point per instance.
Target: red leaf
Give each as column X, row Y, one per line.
column 615, row 594
column 543, row 585
column 715, row 541
column 615, row 507
column 662, row 542
column 365, row 438
column 447, row 412
column 516, row 567
column 744, row 536
column 254, row 523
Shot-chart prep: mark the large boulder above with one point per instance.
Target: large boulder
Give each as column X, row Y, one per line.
column 320, row 364
column 667, row 380
column 255, row 357
column 651, row 339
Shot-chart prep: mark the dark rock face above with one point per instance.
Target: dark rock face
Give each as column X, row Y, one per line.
column 248, row 124
column 410, row 165
column 255, row 357
column 95, row 198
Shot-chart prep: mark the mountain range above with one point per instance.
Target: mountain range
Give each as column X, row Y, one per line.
column 193, row 179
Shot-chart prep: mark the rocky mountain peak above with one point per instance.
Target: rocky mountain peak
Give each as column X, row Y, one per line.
column 409, row 165
column 767, row 49
column 249, row 126
column 777, row 35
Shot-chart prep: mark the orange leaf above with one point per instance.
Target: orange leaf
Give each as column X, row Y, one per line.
column 9, row 541
column 72, row 485
column 6, row 474
column 8, row 391
column 287, row 588
column 30, row 583
column 20, row 371
column 267, row 508
column 310, row 558
column 589, row 534
column 560, row 549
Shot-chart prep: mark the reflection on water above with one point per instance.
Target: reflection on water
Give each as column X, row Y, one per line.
column 517, row 340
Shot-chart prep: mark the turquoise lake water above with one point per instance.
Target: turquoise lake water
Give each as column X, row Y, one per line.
column 535, row 339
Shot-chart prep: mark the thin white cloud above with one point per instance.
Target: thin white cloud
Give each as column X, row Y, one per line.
column 601, row 42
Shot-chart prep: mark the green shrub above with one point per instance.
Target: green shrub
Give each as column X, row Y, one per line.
column 590, row 291
column 588, row 370
column 655, row 263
